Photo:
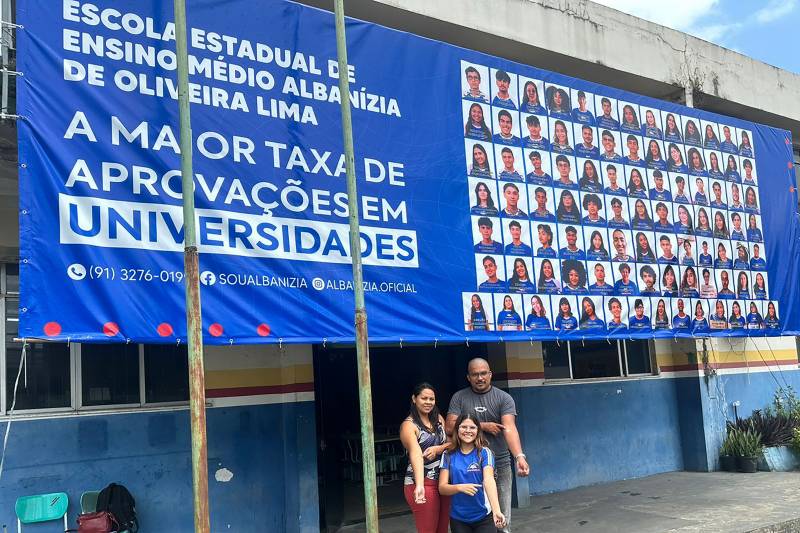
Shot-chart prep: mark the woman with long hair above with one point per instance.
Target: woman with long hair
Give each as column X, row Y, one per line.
column 530, row 99
column 661, row 318
column 771, row 320
column 520, row 279
column 475, row 127
column 745, row 149
column 467, row 474
column 684, row 223
column 671, row 131
column 760, row 287
column 629, row 122
column 692, row 134
column 644, row 253
column 754, row 318
column 703, row 228
column 653, row 157
column 422, row 435
column 537, row 318
column 567, row 211
column 669, row 282
column 478, row 319
column 590, row 180
column 484, row 204
column 560, row 140
column 508, row 319
column 736, row 320
column 743, row 286
column 675, row 163
column 589, row 318
column 597, row 249
column 547, row 282
column 565, row 320
column 641, row 217
column 718, row 320
column 697, row 166
column 689, row 283
column 713, row 166
column 699, row 322
column 750, row 200
column 753, row 232
column 710, row 140
column 732, row 170
column 720, row 226
column 480, row 162
column 558, row 102
column 636, row 187
column 650, row 127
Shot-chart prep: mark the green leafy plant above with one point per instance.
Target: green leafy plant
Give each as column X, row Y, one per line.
column 775, row 427
column 744, row 442
column 796, row 440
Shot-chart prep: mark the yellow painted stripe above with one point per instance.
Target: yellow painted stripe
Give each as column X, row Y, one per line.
column 518, row 364
column 259, row 377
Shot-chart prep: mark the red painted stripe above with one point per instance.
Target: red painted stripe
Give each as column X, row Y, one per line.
column 255, row 391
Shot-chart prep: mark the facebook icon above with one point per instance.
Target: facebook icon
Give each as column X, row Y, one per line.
column 207, row 277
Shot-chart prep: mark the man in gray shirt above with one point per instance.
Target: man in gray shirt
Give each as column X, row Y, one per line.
column 497, row 413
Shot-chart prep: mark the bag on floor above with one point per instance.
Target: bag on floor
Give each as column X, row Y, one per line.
column 98, row 522
column 117, row 500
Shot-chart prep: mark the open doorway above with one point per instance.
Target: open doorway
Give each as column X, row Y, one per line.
column 395, row 371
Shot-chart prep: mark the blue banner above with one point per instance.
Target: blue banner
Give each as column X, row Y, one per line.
column 496, row 200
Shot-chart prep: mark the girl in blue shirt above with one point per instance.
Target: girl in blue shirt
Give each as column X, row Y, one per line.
column 732, row 171
column 703, row 228
column 650, row 127
column 669, row 282
column 713, row 166
column 754, row 318
column 467, row 474
column 653, row 157
column 547, row 280
column 753, row 233
column 771, row 320
column 597, row 249
column 629, row 122
column 672, row 132
column 742, row 286
column 476, row 127
column 736, row 319
column 750, row 200
column 692, row 134
column 565, row 320
column 675, row 163
column 689, row 284
column 508, row 319
column 589, row 318
column 520, row 280
column 745, row 149
column 641, row 217
column 484, row 205
column 661, row 319
column 717, row 319
column 699, row 322
column 710, row 141
column 760, row 287
column 537, row 319
column 480, row 162
column 478, row 320
column 530, row 100
column 636, row 188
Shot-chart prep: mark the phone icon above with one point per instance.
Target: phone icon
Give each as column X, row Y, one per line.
column 76, row 271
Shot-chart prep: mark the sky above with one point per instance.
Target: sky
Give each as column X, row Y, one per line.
column 765, row 30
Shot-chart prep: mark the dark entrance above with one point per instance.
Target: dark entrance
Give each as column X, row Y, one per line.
column 395, row 371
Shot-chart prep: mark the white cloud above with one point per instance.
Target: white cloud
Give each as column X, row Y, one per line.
column 774, row 10
column 715, row 33
column 677, row 14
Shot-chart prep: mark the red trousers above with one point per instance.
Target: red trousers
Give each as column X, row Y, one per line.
column 433, row 516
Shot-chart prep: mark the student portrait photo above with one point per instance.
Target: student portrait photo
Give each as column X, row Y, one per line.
column 516, row 236
column 542, row 204
column 640, row 214
column 728, row 142
column 743, row 289
column 558, row 101
column 724, row 279
column 754, row 319
column 491, row 273
column 757, row 259
column 710, row 135
column 648, row 281
column 483, row 197
column 534, row 132
column 639, row 316
column 560, row 137
column 624, row 282
column 610, row 143
column 567, row 210
column 633, row 153
column 477, row 121
column 714, row 164
column 736, row 319
column 718, row 318
column 681, row 320
column 667, row 248
column 520, row 279
column 732, row 173
column 676, row 162
column 622, row 244
column 691, row 132
column 592, row 209
column 689, row 286
column 749, row 176
column 592, row 313
column 570, row 239
column 478, row 312
column 735, row 201
column 601, row 279
column 669, row 280
column 772, row 320
column 643, row 249
column 573, row 277
column 629, row 118
column 475, row 84
column 509, row 163
column 606, row 112
column 719, row 225
column 565, row 310
column 745, row 144
column 695, row 162
column 700, row 316
column 531, row 96
column 737, row 227
column 486, row 235
column 548, row 276
column 612, row 181
column 583, row 107
column 718, row 191
column 637, row 183
column 651, row 123
column 702, row 219
column 680, row 192
column 687, row 252
column 659, row 186
column 617, row 313
column 699, row 188
column 654, row 154
column 590, row 179
column 596, row 244
column 508, row 309
column 564, row 172
column 684, row 220
column 662, row 313
column 672, row 128
column 751, row 199
column 708, row 287
column 760, row 288
column 505, row 89
column 514, row 201
column 547, row 245
column 505, row 127
column 585, row 141
column 618, row 218
column 479, row 163
column 538, row 167
column 723, row 258
column 662, row 221
column 538, row 313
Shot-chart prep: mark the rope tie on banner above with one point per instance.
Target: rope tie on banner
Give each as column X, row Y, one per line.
column 22, row 363
column 324, row 342
column 401, row 343
column 467, row 338
column 435, row 343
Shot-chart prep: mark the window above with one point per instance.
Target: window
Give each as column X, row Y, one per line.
column 596, row 359
column 166, row 373
column 109, row 374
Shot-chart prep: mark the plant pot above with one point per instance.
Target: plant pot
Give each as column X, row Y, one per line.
column 727, row 463
column 748, row 465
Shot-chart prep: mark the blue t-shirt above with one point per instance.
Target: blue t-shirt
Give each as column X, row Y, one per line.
column 728, row 146
column 682, row 199
column 479, row 321
column 582, row 117
column 663, row 195
column 626, row 290
column 733, row 175
column 508, row 103
column 494, row 248
column 754, row 320
column 639, row 323
column 700, row 324
column 671, row 261
column 737, row 235
column 476, row 132
column 736, row 323
column 468, row 468
column 544, row 179
column 548, row 286
column 681, row 322
column 511, row 176
column 521, row 286
column 546, row 252
column 566, row 289
column 582, row 151
column 508, row 319
column 754, row 235
column 593, row 323
column 700, row 198
column 758, row 263
column 537, row 144
column 566, row 323
column 651, row 131
column 566, row 253
column 772, row 323
column 488, row 286
column 688, row 292
column 498, row 138
column 605, row 289
column 609, row 123
column 536, row 109
column 518, row 249
column 705, row 260
column 537, row 322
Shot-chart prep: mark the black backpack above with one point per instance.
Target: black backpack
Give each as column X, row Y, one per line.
column 116, row 500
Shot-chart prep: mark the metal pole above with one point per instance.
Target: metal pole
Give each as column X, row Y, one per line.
column 362, row 344
column 194, row 324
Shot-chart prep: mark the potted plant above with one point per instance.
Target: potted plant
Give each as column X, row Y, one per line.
column 748, row 451
column 727, row 459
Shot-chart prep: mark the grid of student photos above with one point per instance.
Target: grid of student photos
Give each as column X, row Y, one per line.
column 589, row 212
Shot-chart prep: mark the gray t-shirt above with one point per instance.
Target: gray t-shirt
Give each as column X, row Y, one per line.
column 489, row 407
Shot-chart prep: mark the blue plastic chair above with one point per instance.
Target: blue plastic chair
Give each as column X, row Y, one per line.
column 41, row 508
